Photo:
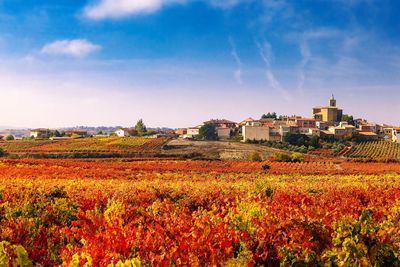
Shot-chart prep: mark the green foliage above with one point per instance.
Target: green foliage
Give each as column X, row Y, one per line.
column 264, row 188
column 208, row 132
column 255, row 156
column 265, row 167
column 357, row 243
column 302, row 140
column 294, row 157
column 13, row 255
column 269, row 116
column 128, row 263
column 297, row 157
column 10, row 137
column 140, row 127
column 2, row 152
column 282, row 157
column 57, row 192
column 348, row 118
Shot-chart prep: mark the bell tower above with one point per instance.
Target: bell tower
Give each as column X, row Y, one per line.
column 332, row 101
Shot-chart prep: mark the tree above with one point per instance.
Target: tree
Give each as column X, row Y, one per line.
column 348, row 118
column 133, row 132
column 269, row 116
column 57, row 133
column 255, row 156
column 140, row 127
column 10, row 137
column 208, row 132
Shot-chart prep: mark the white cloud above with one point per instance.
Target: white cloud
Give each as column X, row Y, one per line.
column 238, row 72
column 121, row 8
column 75, row 48
column 106, row 9
column 227, row 3
column 265, row 51
column 305, row 51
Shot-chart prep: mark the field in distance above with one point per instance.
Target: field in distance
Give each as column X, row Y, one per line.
column 106, row 145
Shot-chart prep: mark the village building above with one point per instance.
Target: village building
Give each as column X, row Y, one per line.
column 193, row 131
column 390, row 133
column 224, row 133
column 368, row 136
column 224, row 128
column 255, row 133
column 344, row 130
column 305, row 123
column 222, row 123
column 396, row 137
column 122, row 132
column 330, row 114
column 181, row 132
column 39, row 133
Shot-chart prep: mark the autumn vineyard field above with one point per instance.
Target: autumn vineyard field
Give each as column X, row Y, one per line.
column 126, row 212
column 376, row 151
column 89, row 145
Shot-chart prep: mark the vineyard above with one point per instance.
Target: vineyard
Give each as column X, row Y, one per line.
column 123, row 212
column 376, row 151
column 109, row 144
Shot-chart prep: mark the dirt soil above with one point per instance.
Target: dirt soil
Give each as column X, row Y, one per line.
column 217, row 149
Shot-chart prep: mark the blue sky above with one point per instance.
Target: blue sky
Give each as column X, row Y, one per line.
column 180, row 62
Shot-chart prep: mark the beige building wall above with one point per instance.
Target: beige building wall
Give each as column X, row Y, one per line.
column 192, row 132
column 224, row 133
column 257, row 133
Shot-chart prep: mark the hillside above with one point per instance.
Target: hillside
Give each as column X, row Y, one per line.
column 217, row 149
column 109, row 146
column 376, row 151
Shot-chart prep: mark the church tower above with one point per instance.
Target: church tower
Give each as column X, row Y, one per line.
column 332, row 101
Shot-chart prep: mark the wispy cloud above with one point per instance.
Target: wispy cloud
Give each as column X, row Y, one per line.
column 238, row 72
column 75, row 48
column 305, row 50
column 228, row 3
column 103, row 9
column 114, row 9
column 265, row 51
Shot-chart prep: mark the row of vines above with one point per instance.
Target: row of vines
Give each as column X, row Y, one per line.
column 125, row 213
column 376, row 151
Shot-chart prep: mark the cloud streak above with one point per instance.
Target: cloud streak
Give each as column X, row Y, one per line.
column 238, row 72
column 305, row 50
column 115, row 9
column 104, row 9
column 265, row 51
column 74, row 48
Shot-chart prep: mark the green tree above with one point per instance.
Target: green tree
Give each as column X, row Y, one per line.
column 269, row 115
column 255, row 156
column 57, row 133
column 140, row 127
column 348, row 118
column 10, row 137
column 208, row 132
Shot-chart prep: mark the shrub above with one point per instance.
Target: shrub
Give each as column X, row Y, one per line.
column 297, row 157
column 265, row 167
column 255, row 156
column 2, row 152
column 10, row 137
column 281, row 157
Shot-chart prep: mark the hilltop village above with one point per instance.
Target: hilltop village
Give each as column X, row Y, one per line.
column 327, row 122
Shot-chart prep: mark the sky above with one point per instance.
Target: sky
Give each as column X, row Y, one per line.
column 177, row 63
